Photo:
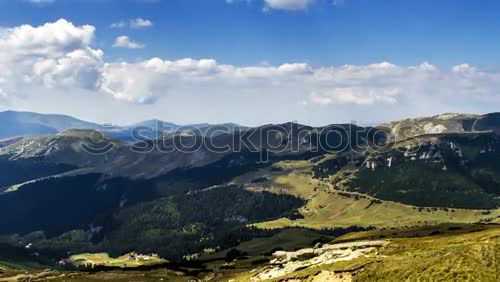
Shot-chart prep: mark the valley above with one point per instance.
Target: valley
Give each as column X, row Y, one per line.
column 339, row 202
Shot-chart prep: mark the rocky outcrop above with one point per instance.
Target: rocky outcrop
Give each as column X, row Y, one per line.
column 288, row 262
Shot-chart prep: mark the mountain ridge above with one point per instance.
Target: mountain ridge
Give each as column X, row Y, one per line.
column 56, row 197
column 22, row 123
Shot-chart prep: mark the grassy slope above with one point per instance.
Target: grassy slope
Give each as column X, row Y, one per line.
column 122, row 261
column 326, row 208
column 287, row 240
column 452, row 256
column 465, row 257
column 437, row 253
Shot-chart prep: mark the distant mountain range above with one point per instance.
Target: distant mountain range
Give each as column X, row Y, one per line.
column 27, row 123
column 18, row 124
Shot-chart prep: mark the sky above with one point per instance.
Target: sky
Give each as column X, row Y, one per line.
column 251, row 62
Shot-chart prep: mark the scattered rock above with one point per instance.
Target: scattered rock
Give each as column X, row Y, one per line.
column 287, row 262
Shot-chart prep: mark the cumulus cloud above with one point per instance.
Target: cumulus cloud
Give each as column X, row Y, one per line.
column 48, row 40
column 464, row 69
column 147, row 81
column 53, row 54
column 356, row 95
column 373, row 84
column 125, row 42
column 60, row 55
column 140, row 23
column 290, row 5
column 133, row 23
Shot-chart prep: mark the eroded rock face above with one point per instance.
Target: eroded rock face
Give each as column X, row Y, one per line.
column 287, row 262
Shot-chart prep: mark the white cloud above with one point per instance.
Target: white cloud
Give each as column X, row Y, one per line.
column 464, row 69
column 41, row 1
column 290, row 5
column 120, row 24
column 125, row 42
column 50, row 39
column 58, row 57
column 133, row 23
column 140, row 23
column 356, row 95
column 373, row 84
column 146, row 81
column 156, row 75
column 54, row 54
column 235, row 1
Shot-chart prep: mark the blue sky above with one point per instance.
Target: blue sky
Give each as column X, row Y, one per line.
column 320, row 34
column 445, row 32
